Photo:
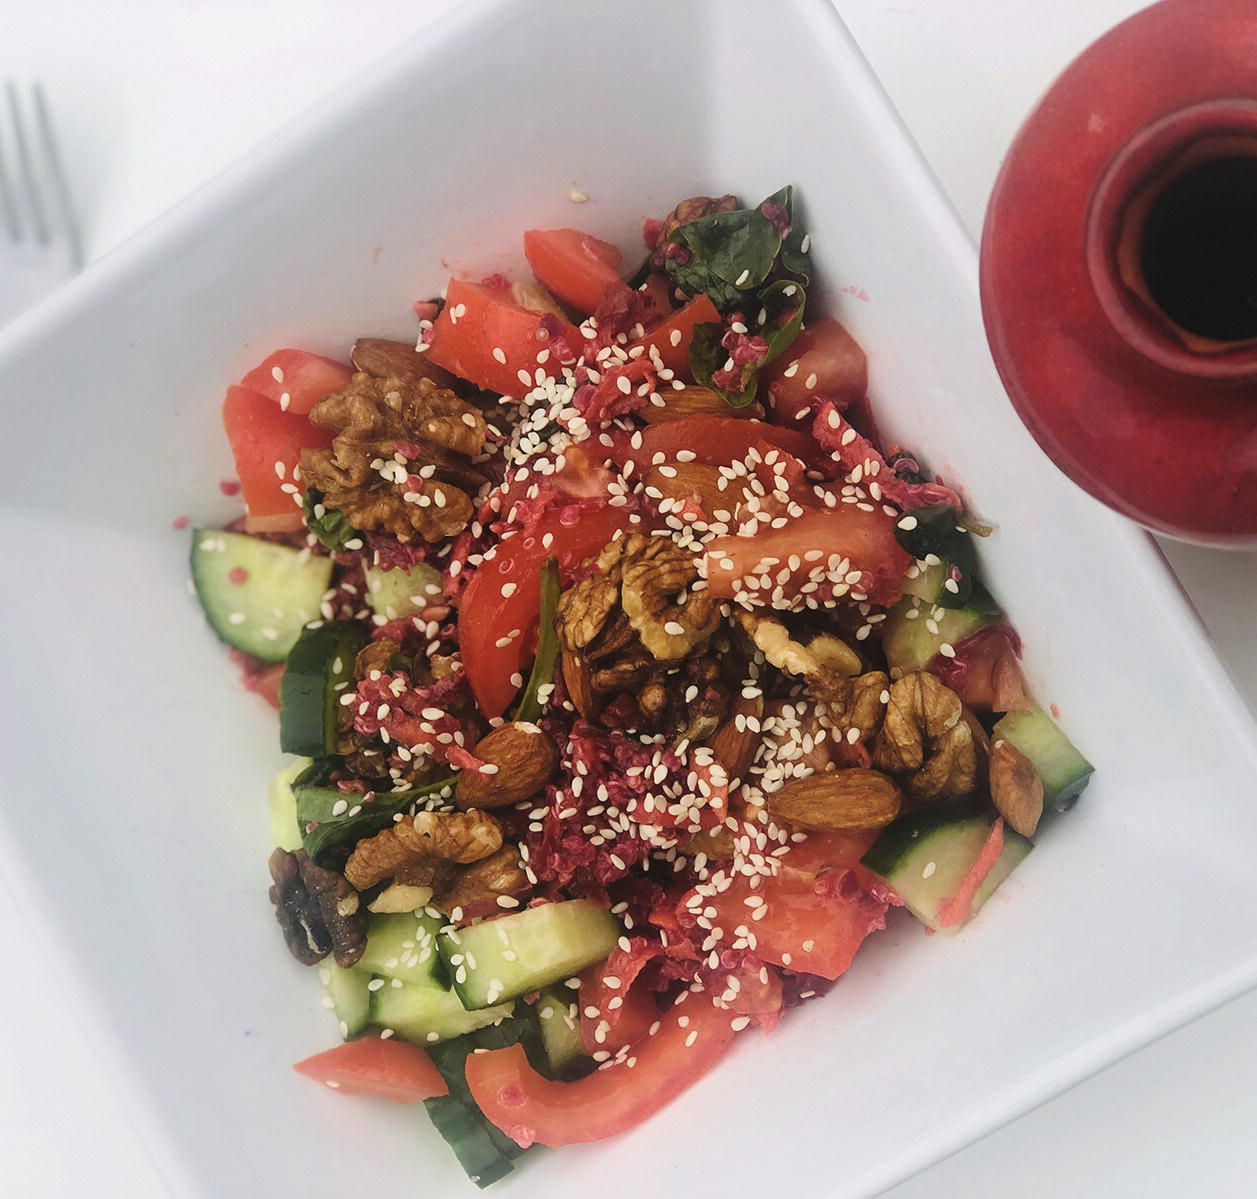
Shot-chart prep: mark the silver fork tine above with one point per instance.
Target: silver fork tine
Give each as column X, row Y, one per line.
column 57, row 178
column 8, row 202
column 34, row 203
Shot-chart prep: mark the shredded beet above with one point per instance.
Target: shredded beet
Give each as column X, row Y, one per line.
column 411, row 714
column 838, row 435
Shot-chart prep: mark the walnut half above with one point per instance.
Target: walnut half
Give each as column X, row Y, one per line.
column 424, row 496
column 926, row 738
column 420, row 850
column 317, row 909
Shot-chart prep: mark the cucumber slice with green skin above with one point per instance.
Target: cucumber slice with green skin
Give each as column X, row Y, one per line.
column 558, row 1017
column 349, row 996
column 910, row 645
column 482, row 1149
column 333, row 821
column 285, row 831
column 926, row 583
column 403, row 946
column 1064, row 771
column 423, row 1013
column 320, row 667
column 257, row 595
column 395, row 594
column 509, row 956
column 926, row 855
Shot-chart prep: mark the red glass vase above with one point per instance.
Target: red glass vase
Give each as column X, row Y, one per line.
column 1119, row 270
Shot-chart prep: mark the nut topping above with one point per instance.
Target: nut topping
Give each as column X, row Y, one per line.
column 837, row 801
column 317, row 909
column 925, row 737
column 520, row 758
column 1016, row 788
column 424, row 496
column 414, row 851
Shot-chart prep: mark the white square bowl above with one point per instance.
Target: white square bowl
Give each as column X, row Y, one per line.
column 133, row 820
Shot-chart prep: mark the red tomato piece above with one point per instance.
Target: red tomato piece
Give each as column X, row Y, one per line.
column 261, row 435
column 672, row 338
column 623, row 1025
column 824, row 360
column 715, row 441
column 574, row 266
column 817, row 909
column 390, row 1069
column 985, row 673
column 691, row 1039
column 477, row 320
column 486, row 616
column 296, row 379
column 865, row 539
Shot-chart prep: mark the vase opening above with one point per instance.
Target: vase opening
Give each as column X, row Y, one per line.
column 1172, row 241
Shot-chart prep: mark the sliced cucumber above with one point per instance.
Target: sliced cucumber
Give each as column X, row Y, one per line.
column 925, row 857
column 910, row 644
column 558, row 1017
column 508, row 956
column 285, row 831
column 926, row 582
column 257, row 595
column 483, row 1150
column 1064, row 771
column 350, row 996
column 320, row 666
column 423, row 1013
column 394, row 594
column 404, row 946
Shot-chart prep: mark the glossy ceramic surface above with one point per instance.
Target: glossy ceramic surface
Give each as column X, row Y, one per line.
column 1158, row 425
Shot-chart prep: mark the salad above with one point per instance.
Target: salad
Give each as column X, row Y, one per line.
column 632, row 677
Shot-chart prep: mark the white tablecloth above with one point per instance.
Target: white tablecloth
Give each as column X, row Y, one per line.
column 154, row 96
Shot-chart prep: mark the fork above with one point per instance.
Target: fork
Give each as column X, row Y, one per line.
column 40, row 245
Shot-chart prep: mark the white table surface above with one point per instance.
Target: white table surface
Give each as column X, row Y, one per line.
column 154, row 96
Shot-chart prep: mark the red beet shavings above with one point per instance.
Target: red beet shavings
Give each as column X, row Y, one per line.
column 839, row 435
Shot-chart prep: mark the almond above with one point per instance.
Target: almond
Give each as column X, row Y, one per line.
column 838, row 801
column 521, row 758
column 578, row 681
column 735, row 747
column 1016, row 788
column 693, row 400
column 396, row 359
column 695, row 481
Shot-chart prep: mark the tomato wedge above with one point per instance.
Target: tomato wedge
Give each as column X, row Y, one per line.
column 672, row 338
column 714, row 441
column 824, row 360
column 865, row 539
column 296, row 379
column 389, row 1069
column 577, row 267
column 817, row 909
column 478, row 320
column 984, row 671
column 504, row 596
column 261, row 435
column 530, row 1109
